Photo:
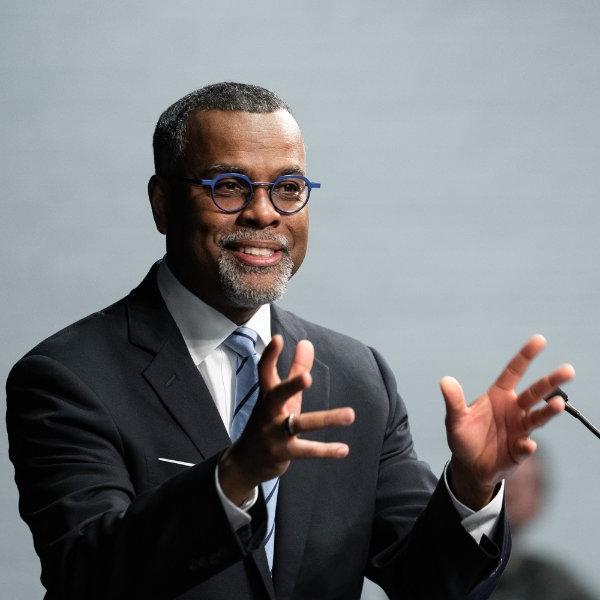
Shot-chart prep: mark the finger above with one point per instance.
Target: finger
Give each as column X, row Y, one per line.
column 524, row 447
column 312, row 421
column 304, row 356
column 454, row 398
column 538, row 418
column 308, row 449
column 286, row 389
column 267, row 366
column 515, row 369
column 542, row 387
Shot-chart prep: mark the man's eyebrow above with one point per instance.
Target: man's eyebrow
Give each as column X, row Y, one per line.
column 225, row 168
column 292, row 170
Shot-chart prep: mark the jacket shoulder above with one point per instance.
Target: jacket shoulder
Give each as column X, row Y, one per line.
column 86, row 335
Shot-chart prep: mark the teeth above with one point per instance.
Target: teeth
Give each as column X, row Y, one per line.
column 257, row 251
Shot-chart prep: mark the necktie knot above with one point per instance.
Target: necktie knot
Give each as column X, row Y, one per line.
column 242, row 341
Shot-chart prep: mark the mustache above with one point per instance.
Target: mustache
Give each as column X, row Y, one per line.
column 250, row 235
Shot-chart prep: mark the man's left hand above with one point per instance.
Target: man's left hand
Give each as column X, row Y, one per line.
column 489, row 438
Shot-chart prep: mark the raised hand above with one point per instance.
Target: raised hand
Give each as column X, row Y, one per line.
column 489, row 438
column 265, row 448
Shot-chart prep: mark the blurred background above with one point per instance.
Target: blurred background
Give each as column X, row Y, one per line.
column 458, row 148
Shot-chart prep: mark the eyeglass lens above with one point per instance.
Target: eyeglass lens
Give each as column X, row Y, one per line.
column 288, row 195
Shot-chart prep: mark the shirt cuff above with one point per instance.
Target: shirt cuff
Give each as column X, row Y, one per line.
column 237, row 516
column 481, row 522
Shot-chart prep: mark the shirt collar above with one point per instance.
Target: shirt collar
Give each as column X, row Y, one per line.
column 203, row 327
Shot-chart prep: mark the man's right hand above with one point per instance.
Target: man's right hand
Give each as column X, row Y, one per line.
column 265, row 449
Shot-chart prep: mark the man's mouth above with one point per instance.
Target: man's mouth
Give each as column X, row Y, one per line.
column 253, row 251
column 256, row 253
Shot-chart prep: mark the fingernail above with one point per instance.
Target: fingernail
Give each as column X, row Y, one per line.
column 349, row 417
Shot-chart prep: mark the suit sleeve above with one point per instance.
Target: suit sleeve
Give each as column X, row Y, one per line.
column 419, row 548
column 95, row 537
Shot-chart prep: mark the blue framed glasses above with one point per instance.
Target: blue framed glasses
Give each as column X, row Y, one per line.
column 232, row 192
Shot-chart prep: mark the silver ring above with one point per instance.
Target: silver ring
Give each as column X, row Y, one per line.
column 288, row 425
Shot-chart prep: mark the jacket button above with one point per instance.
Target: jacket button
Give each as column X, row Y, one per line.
column 195, row 564
column 214, row 560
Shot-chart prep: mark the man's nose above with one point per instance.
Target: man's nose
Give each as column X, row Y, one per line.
column 260, row 212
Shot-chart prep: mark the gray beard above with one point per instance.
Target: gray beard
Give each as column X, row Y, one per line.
column 241, row 283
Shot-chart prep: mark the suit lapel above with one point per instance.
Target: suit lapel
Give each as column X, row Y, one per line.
column 171, row 372
column 297, row 487
column 182, row 390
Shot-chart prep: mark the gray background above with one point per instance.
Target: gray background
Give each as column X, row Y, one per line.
column 457, row 144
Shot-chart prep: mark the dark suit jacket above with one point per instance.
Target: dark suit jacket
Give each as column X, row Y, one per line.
column 90, row 411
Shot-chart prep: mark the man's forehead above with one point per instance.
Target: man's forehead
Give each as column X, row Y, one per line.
column 216, row 136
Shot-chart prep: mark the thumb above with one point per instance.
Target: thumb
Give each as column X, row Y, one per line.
column 454, row 398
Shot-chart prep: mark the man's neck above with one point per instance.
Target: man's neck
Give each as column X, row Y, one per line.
column 239, row 315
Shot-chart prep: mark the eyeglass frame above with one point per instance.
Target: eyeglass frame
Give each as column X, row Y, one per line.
column 210, row 183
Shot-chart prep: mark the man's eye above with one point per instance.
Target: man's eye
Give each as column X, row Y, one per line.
column 289, row 187
column 230, row 186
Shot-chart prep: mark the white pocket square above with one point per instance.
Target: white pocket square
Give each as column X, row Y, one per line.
column 177, row 462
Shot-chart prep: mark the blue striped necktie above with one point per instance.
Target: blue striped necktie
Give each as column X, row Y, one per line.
column 243, row 341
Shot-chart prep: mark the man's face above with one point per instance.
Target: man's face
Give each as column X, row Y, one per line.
column 241, row 260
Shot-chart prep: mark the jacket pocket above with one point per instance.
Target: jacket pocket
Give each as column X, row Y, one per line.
column 160, row 470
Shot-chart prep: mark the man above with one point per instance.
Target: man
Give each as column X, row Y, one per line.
column 121, row 425
column 531, row 575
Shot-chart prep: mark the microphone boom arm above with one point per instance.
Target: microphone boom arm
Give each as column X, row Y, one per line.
column 572, row 410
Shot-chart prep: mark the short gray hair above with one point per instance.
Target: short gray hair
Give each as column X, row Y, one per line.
column 169, row 141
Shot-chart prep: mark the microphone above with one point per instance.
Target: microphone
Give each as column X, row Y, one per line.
column 572, row 410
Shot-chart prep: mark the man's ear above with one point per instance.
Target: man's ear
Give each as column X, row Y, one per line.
column 158, row 194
